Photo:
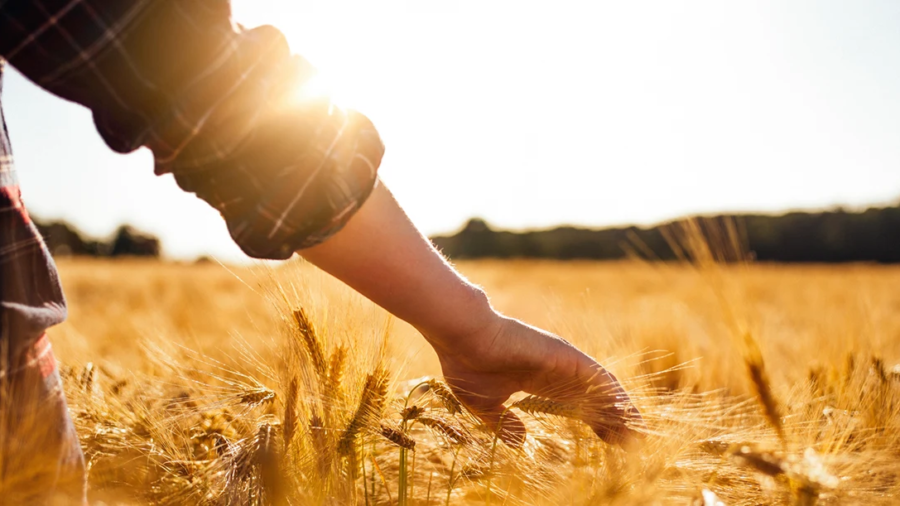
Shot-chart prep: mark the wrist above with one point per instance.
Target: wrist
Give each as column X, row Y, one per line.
column 469, row 321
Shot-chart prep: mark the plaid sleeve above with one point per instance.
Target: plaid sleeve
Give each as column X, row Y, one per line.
column 218, row 106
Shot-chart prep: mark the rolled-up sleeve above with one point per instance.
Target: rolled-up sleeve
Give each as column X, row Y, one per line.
column 220, row 107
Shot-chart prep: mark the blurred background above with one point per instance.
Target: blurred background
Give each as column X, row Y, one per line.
column 589, row 114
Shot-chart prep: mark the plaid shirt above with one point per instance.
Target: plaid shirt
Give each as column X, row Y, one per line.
column 219, row 108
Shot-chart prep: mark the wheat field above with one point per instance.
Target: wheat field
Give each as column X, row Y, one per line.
column 275, row 384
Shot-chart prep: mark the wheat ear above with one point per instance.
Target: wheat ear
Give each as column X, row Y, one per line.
column 311, row 342
column 370, row 405
column 411, row 413
column 761, row 384
column 290, row 414
column 442, row 391
column 539, row 405
column 336, row 371
column 880, row 370
column 257, row 396
column 398, row 437
column 269, row 461
column 442, row 426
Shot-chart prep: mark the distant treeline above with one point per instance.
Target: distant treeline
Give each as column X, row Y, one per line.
column 62, row 239
column 832, row 236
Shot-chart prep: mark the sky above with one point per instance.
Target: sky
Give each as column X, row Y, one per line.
column 534, row 114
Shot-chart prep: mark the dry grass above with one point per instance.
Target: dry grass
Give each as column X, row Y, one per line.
column 760, row 385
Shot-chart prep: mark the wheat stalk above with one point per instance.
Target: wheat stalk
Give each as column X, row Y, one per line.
column 539, row 405
column 398, row 437
column 318, row 441
column 268, row 460
column 336, row 371
column 765, row 396
column 255, row 471
column 87, row 376
column 411, row 413
column 290, row 414
column 442, row 391
column 880, row 370
column 370, row 405
column 317, row 434
column 442, row 426
column 807, row 477
column 257, row 396
column 311, row 341
column 765, row 462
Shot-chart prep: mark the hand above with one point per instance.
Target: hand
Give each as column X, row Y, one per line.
column 509, row 356
column 485, row 356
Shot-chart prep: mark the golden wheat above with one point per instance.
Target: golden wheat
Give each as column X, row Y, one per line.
column 760, row 380
column 453, row 432
column 290, row 413
column 207, row 425
column 397, row 436
column 312, row 341
column 336, row 366
column 374, row 395
column 538, row 405
column 442, row 391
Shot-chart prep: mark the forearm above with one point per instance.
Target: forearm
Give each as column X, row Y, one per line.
column 382, row 255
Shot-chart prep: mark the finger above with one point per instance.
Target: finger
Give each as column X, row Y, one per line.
column 497, row 418
column 612, row 415
column 505, row 424
column 624, row 434
column 598, row 398
column 628, row 440
column 493, row 413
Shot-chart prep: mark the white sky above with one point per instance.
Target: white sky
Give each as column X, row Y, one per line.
column 540, row 113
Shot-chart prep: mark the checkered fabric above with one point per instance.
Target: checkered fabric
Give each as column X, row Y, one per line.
column 221, row 108
column 217, row 105
column 40, row 456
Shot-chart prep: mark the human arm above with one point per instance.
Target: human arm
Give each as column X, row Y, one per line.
column 485, row 356
column 214, row 103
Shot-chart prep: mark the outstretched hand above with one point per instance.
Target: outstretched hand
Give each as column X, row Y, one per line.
column 510, row 356
column 485, row 357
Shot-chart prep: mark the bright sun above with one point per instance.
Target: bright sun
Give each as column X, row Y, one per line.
column 320, row 86
column 330, row 44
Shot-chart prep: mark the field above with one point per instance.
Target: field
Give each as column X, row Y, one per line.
column 200, row 384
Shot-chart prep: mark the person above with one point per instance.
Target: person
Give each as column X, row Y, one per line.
column 218, row 107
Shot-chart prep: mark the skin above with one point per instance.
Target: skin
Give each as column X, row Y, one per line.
column 485, row 356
